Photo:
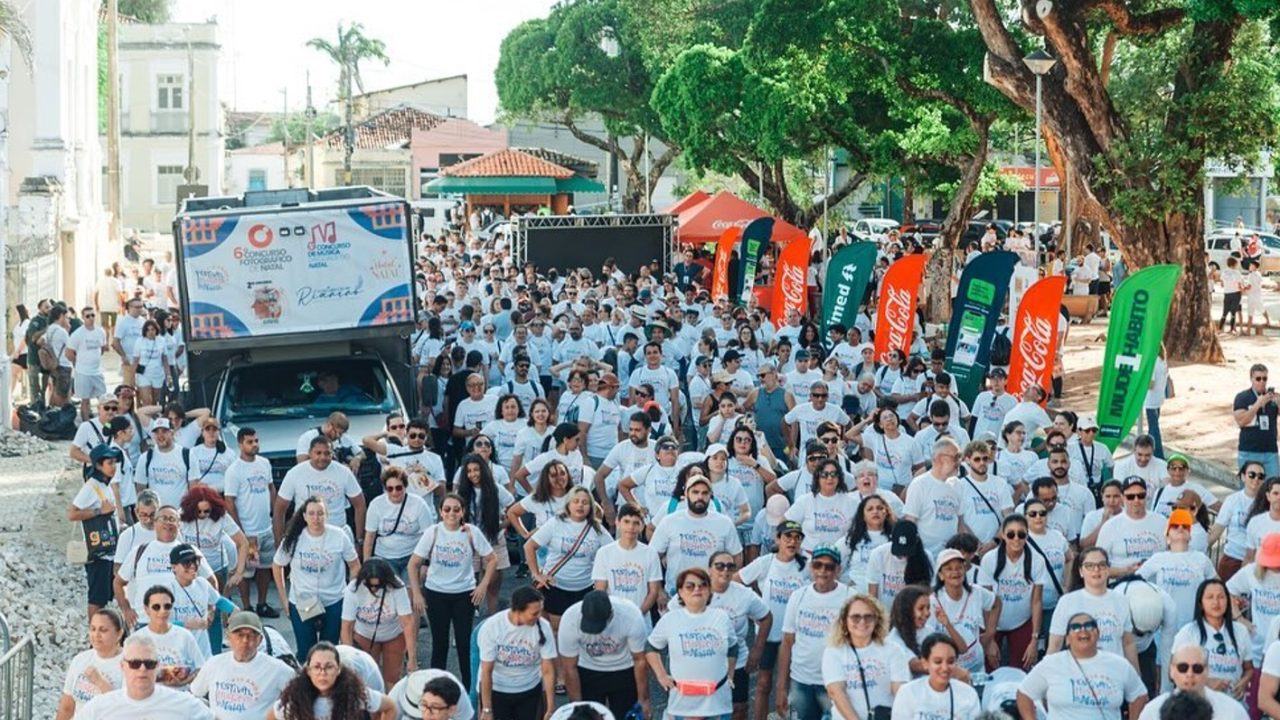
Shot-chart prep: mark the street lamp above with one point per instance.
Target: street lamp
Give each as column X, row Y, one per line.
column 1038, row 62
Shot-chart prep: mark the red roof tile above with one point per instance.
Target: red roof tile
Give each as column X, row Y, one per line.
column 508, row 163
column 387, row 129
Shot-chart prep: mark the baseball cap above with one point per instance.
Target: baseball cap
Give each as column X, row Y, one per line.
column 467, row 325
column 639, row 312
column 714, row 448
column 695, row 480
column 828, row 552
column 1182, row 517
column 161, row 424
column 789, row 526
column 802, row 355
column 1131, row 481
column 108, row 398
column 103, row 451
column 242, row 619
column 775, row 509
column 597, row 610
column 998, row 372
column 1178, row 457
column 947, row 556
column 720, row 376
column 702, row 360
column 181, row 553
column 608, row 380
column 905, row 538
column 1086, row 422
column 1269, row 552
column 646, row 293
column 731, row 355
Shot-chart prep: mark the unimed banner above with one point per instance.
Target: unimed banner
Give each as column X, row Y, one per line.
column 847, row 276
column 974, row 315
column 791, row 288
column 755, row 238
column 896, row 312
column 1035, row 336
column 724, row 249
column 1139, row 310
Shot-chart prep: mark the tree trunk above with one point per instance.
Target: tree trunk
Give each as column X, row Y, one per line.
column 937, row 300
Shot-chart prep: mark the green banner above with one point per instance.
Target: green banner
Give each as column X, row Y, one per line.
column 974, row 315
column 1139, row 310
column 848, row 273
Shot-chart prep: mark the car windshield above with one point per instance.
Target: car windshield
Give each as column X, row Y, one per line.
column 356, row 386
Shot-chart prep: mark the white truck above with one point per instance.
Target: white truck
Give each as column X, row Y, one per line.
column 296, row 304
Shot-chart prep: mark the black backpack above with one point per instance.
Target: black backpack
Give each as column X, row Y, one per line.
column 1001, row 350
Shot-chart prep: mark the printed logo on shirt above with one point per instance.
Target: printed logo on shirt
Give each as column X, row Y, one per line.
column 1174, row 577
column 325, row 491
column 626, row 579
column 451, row 555
column 235, row 695
column 697, row 544
column 82, row 690
column 313, row 561
column 875, row 672
column 1096, row 691
column 1142, row 546
column 368, row 613
column 517, row 654
column 1014, row 587
column 815, row 623
column 700, row 642
column 945, row 508
column 1266, row 601
column 601, row 645
column 830, row 521
column 779, row 589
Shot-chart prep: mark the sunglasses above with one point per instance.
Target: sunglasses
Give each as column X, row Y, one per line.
column 815, row 458
column 1016, row 535
column 451, row 509
column 1255, row 475
column 417, row 436
column 860, row 618
column 1135, row 496
column 827, row 566
column 725, row 566
column 829, row 474
column 1088, row 625
column 162, row 606
column 693, row 586
column 1195, row 668
column 138, row 664
column 1036, row 513
column 817, row 395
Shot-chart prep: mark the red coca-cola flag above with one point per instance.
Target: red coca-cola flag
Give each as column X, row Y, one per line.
column 791, row 286
column 1035, row 336
column 724, row 249
column 896, row 312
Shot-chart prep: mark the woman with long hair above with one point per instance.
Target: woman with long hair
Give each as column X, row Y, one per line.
column 484, row 505
column 531, row 439
column 940, row 693
column 434, row 399
column 744, row 608
column 1054, row 550
column 482, row 445
column 966, row 614
column 702, row 648
column 150, row 363
column 563, row 446
column 572, row 539
column 862, row 673
column 1110, row 609
column 1263, row 518
column 909, row 616
column 872, row 524
column 1233, row 517
column 328, row 689
column 725, row 418
column 95, row 671
column 210, row 457
column 1013, row 459
column 888, row 374
column 547, row 501
column 894, row 452
column 517, row 661
column 752, row 357
column 315, row 553
column 207, row 525
column 442, row 565
column 747, row 467
column 899, row 563
column 775, row 576
column 378, row 618
column 395, row 521
column 829, row 508
column 1227, row 642
column 1017, row 575
column 505, row 428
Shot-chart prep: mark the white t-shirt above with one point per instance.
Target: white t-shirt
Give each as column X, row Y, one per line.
column 989, row 412
column 77, row 684
column 344, row 441
column 515, row 652
column 1260, row 526
column 87, row 345
column 128, row 331
column 192, row 603
column 935, row 505
column 1095, row 688
column 210, row 466
column 662, row 379
column 1235, row 508
column 559, row 537
column 450, row 556
column 627, row 572
column 1013, row 466
column 318, row 564
column 206, row 534
column 605, row 420
column 241, row 691
column 323, row 708
column 917, row 701
column 654, row 484
column 529, row 443
column 976, row 511
column 687, row 541
column 504, row 434
column 471, row 414
column 1055, row 547
column 397, row 530
column 1031, row 415
column 1012, row 587
column 1226, row 658
column 1111, row 610
column 894, row 458
column 423, row 467
column 465, row 711
column 167, row 475
column 809, row 617
column 1264, row 601
column 610, row 650
column 968, row 617
column 699, row 646
column 249, row 484
column 1128, row 540
column 777, row 582
column 376, row 615
column 149, row 565
column 1180, row 575
column 887, row 572
column 162, row 703
column 175, row 648
column 333, row 486
column 1224, row 706
column 808, row 418
column 868, row 673
column 743, row 606
column 825, row 520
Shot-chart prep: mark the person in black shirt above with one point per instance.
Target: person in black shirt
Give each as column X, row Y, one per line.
column 688, row 272
column 1255, row 412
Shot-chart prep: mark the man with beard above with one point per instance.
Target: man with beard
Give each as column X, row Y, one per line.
column 688, row 537
column 1073, row 495
column 322, row 477
column 424, row 468
column 625, row 458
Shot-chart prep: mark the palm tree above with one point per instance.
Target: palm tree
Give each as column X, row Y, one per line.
column 352, row 47
column 11, row 26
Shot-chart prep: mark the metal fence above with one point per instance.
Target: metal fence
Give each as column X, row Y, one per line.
column 17, row 675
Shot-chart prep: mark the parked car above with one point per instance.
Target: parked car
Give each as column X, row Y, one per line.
column 978, row 228
column 926, row 228
column 1218, row 245
column 874, row 229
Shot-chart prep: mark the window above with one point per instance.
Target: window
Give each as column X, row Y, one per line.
column 169, row 92
column 168, row 178
column 257, row 179
column 390, row 180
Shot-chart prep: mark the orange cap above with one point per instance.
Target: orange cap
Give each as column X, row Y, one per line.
column 1269, row 552
column 1182, row 517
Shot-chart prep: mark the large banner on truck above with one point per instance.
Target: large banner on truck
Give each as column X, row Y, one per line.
column 281, row 273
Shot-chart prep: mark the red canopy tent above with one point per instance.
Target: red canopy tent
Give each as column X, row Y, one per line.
column 694, row 198
column 705, row 221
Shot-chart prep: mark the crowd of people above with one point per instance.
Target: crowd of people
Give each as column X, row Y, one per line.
column 687, row 503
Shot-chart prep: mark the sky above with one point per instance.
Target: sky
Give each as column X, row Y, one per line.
column 264, row 45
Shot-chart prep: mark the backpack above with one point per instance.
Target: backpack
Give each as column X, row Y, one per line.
column 146, row 464
column 48, row 361
column 1001, row 350
column 537, row 389
column 571, row 415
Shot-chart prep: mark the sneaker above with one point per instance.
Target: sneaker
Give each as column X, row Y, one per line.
column 266, row 611
column 522, row 571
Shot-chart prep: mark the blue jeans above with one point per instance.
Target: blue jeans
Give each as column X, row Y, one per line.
column 1269, row 461
column 807, row 702
column 401, row 566
column 322, row 627
column 1153, row 429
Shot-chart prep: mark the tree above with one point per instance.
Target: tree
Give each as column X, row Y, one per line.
column 1135, row 159
column 588, row 60
column 352, row 48
column 150, row 12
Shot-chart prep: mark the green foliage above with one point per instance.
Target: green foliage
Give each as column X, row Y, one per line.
column 991, row 184
column 296, row 124
column 352, row 48
column 151, row 12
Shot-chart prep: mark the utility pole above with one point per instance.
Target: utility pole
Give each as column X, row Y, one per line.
column 192, row 173
column 349, row 139
column 284, row 129
column 311, row 117
column 113, row 127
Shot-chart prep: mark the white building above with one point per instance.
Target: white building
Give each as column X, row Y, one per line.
column 260, row 167
column 157, row 99
column 53, row 184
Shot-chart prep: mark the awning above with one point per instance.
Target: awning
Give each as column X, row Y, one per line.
column 704, row 222
column 579, row 184
column 493, row 185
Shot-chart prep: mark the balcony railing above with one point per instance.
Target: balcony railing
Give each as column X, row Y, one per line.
column 169, row 121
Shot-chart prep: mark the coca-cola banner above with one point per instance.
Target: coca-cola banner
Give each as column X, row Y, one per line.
column 974, row 316
column 1139, row 310
column 896, row 312
column 791, row 288
column 724, row 250
column 1035, row 336
column 847, row 276
column 755, row 238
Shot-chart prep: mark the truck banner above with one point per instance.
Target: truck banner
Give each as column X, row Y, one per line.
column 1035, row 336
column 896, row 311
column 847, row 276
column 755, row 239
column 791, row 287
column 724, row 252
column 974, row 315
column 269, row 274
column 1139, row 310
